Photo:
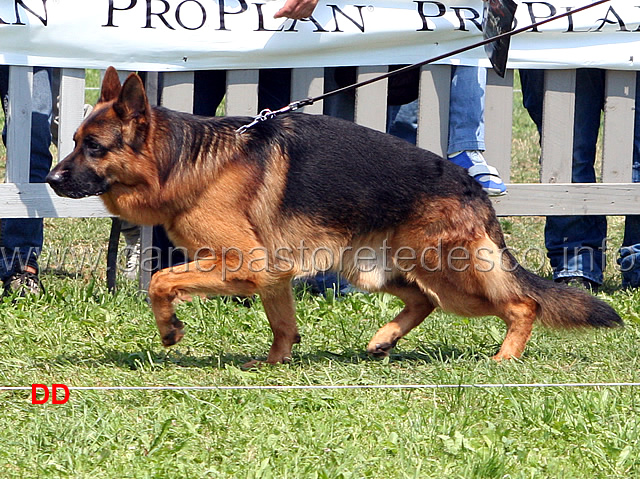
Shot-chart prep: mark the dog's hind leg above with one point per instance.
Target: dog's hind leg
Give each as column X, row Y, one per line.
column 519, row 315
column 417, row 308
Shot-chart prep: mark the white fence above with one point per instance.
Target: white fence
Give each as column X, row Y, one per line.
column 554, row 195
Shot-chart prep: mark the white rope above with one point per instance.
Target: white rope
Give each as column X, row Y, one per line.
column 332, row 387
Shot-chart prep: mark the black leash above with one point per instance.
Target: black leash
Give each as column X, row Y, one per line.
column 267, row 114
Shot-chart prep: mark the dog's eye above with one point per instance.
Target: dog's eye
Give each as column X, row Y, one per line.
column 93, row 148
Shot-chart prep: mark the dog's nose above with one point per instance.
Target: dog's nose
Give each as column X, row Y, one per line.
column 55, row 178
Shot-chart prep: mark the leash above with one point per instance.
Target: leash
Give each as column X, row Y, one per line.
column 267, row 114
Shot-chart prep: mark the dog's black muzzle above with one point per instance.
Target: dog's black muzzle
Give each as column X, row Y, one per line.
column 76, row 185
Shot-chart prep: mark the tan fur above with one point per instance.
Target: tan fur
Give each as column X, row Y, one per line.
column 222, row 209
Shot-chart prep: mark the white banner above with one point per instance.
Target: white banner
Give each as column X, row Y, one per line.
column 230, row 34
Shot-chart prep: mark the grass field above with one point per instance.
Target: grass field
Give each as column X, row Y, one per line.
column 80, row 335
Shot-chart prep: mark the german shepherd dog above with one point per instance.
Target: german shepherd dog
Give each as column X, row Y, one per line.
column 298, row 194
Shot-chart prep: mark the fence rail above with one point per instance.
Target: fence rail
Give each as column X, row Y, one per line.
column 553, row 195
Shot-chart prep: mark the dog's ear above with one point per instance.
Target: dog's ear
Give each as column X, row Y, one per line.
column 132, row 100
column 132, row 107
column 110, row 86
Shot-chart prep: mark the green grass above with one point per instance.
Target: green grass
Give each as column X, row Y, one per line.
column 80, row 335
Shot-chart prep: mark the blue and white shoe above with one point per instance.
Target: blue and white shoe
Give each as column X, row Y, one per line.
column 479, row 170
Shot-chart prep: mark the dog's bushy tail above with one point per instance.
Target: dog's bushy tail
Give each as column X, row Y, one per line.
column 562, row 306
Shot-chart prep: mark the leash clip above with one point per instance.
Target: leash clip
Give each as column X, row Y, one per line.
column 264, row 115
column 267, row 114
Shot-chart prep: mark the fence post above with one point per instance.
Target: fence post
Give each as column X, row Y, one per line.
column 371, row 100
column 19, row 124
column 557, row 125
column 498, row 119
column 619, row 116
column 307, row 83
column 177, row 91
column 72, row 83
column 242, row 92
column 146, row 232
column 433, row 113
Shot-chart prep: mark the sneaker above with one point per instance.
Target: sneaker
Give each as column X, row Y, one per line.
column 132, row 251
column 479, row 170
column 579, row 282
column 132, row 256
column 22, row 283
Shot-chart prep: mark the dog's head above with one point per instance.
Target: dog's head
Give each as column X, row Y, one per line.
column 107, row 142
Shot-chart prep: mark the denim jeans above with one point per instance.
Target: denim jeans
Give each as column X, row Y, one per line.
column 466, row 112
column 21, row 239
column 576, row 244
column 402, row 121
column 466, row 109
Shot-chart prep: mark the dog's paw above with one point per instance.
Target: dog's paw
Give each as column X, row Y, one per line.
column 498, row 358
column 253, row 364
column 257, row 364
column 175, row 334
column 381, row 350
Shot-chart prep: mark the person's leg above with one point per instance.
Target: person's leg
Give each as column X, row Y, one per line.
column 575, row 244
column 466, row 109
column 341, row 105
column 165, row 253
column 466, row 112
column 21, row 239
column 532, row 82
column 630, row 251
column 466, row 127
column 402, row 121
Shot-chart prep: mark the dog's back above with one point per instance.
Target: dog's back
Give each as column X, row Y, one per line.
column 386, row 193
column 352, row 177
column 392, row 217
column 299, row 194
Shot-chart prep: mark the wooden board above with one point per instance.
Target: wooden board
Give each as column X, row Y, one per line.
column 569, row 199
column 37, row 200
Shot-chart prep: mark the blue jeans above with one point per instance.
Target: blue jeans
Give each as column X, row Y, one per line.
column 576, row 244
column 402, row 121
column 21, row 239
column 466, row 112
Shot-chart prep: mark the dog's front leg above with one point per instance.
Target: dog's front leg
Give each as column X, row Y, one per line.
column 180, row 282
